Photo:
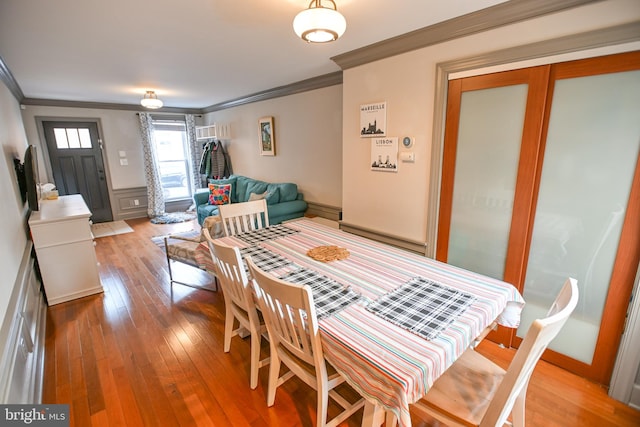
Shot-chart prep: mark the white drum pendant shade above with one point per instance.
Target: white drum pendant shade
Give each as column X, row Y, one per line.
column 319, row 24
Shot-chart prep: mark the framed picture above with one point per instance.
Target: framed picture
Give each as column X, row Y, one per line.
column 373, row 120
column 384, row 154
column 267, row 137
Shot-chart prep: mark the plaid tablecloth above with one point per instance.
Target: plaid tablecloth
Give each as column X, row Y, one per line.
column 387, row 364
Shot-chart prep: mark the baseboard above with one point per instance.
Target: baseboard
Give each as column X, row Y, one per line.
column 400, row 242
column 333, row 213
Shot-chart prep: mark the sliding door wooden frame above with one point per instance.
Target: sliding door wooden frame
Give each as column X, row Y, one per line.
column 536, row 79
column 541, row 81
column 628, row 252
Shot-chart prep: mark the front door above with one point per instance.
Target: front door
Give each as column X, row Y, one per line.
column 75, row 153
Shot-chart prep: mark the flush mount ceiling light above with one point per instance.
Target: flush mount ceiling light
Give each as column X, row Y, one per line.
column 320, row 24
column 151, row 100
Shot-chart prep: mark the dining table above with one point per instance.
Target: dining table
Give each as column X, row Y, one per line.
column 391, row 321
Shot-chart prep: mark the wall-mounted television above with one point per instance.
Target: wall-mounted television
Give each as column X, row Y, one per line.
column 32, row 178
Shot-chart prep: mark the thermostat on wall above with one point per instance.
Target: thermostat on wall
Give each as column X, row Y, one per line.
column 407, row 141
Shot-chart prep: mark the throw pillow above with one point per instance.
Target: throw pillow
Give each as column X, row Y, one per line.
column 219, row 194
column 231, row 180
column 254, row 196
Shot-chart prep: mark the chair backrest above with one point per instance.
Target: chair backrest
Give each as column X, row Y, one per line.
column 540, row 334
column 231, row 275
column 290, row 316
column 239, row 218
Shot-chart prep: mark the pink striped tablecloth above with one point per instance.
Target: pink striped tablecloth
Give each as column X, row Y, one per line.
column 388, row 365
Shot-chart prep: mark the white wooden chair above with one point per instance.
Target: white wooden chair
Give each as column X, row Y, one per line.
column 294, row 339
column 239, row 218
column 476, row 392
column 239, row 302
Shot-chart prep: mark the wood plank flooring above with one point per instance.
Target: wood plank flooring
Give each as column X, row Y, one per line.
column 142, row 355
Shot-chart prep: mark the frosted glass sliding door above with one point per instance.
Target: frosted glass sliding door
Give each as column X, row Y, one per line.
column 589, row 162
column 486, row 167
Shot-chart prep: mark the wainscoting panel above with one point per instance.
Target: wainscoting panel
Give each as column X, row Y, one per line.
column 130, row 203
column 23, row 334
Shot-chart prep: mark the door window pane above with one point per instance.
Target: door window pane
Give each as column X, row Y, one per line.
column 589, row 162
column 72, row 138
column 61, row 138
column 486, row 169
column 85, row 138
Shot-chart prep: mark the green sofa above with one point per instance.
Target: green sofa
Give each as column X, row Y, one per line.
column 283, row 199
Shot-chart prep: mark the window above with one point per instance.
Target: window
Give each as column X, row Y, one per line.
column 170, row 139
column 72, row 138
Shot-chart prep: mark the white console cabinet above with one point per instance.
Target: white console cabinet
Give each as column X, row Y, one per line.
column 64, row 245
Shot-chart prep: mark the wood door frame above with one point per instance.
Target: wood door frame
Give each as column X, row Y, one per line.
column 628, row 252
column 45, row 152
column 525, row 202
column 528, row 162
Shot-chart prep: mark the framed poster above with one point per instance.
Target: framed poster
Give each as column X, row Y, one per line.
column 384, row 154
column 373, row 120
column 267, row 137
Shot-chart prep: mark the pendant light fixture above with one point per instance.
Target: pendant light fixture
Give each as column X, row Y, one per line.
column 320, row 24
column 151, row 100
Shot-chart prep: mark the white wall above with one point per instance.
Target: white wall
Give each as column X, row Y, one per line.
column 119, row 130
column 308, row 129
column 13, row 237
column 397, row 203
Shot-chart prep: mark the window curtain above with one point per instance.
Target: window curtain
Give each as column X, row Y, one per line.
column 155, row 196
column 195, row 152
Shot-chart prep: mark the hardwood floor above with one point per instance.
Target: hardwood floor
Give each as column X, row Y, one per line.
column 141, row 355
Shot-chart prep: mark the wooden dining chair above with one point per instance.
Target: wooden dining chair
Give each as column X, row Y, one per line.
column 239, row 218
column 294, row 340
column 239, row 302
column 476, row 392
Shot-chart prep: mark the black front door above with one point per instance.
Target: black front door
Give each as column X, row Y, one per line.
column 75, row 152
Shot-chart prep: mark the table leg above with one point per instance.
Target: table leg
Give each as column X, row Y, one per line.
column 373, row 415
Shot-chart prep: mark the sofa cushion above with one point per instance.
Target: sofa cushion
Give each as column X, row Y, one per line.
column 231, row 180
column 219, row 194
column 288, row 191
column 241, row 194
column 269, row 195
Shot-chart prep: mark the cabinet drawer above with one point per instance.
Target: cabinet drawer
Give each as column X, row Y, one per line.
column 60, row 232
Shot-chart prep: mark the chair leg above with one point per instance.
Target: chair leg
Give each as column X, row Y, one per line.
column 228, row 327
column 166, row 252
column 323, row 403
column 256, row 339
column 274, row 372
column 517, row 412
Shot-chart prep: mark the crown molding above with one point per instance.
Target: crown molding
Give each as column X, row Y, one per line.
column 7, row 78
column 492, row 17
column 105, row 106
column 319, row 82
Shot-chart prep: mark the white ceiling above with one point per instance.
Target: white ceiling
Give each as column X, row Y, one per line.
column 193, row 53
